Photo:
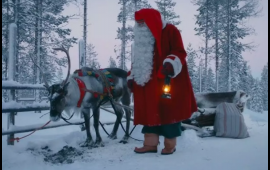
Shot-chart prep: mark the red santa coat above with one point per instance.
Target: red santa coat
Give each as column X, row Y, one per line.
column 149, row 108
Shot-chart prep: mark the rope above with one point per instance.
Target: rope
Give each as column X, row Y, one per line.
column 66, row 120
column 112, row 103
column 18, row 139
column 105, row 81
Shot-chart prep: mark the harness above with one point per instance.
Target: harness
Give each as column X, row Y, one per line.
column 101, row 75
column 82, row 86
column 106, row 79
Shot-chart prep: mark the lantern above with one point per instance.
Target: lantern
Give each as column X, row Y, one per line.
column 167, row 88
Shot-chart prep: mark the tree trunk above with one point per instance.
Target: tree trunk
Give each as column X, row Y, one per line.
column 200, row 67
column 85, row 29
column 36, row 42
column 217, row 44
column 6, row 36
column 206, row 45
column 229, row 43
column 16, row 20
column 39, row 36
column 123, row 49
column 135, row 5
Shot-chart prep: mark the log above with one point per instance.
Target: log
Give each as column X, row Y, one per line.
column 24, row 129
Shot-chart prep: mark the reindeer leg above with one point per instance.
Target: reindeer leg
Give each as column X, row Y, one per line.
column 126, row 137
column 126, row 101
column 82, row 126
column 119, row 115
column 89, row 141
column 96, row 114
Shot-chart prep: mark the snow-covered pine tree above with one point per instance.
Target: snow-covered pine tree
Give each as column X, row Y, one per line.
column 166, row 8
column 85, row 26
column 210, row 81
column 244, row 78
column 196, row 87
column 49, row 33
column 112, row 63
column 264, row 84
column 122, row 33
column 201, row 78
column 236, row 66
column 91, row 57
column 135, row 5
column 214, row 32
column 191, row 56
column 223, row 83
column 6, row 19
column 257, row 94
column 234, row 14
column 60, row 76
column 224, row 21
column 39, row 29
column 250, row 85
column 203, row 21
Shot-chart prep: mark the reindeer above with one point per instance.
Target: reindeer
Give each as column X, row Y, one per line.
column 67, row 97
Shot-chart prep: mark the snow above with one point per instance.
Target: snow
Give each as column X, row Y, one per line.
column 192, row 152
column 14, row 84
column 16, row 105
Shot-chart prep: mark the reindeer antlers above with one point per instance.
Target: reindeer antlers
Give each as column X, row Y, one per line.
column 42, row 73
column 67, row 53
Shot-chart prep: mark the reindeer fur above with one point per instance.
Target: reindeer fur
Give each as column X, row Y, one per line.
column 122, row 93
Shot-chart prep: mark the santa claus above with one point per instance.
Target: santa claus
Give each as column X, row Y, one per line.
column 158, row 52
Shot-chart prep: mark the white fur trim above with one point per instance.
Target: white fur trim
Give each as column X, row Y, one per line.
column 176, row 63
column 164, row 23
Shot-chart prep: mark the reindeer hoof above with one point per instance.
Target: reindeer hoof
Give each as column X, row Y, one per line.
column 88, row 143
column 124, row 140
column 83, row 128
column 112, row 136
column 98, row 144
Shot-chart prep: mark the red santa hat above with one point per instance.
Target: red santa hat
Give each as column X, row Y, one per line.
column 153, row 20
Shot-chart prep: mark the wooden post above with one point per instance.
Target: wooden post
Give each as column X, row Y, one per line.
column 82, row 58
column 11, row 74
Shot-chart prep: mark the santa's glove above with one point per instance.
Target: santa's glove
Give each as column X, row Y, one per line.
column 130, row 84
column 167, row 69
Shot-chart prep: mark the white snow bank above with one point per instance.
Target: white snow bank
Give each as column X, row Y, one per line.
column 257, row 117
column 14, row 84
column 192, row 152
column 16, row 105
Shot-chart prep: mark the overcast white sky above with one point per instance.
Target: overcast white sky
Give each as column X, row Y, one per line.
column 102, row 26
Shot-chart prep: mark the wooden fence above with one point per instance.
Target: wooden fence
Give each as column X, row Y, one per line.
column 12, row 107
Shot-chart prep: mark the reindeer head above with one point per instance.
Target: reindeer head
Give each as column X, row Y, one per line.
column 57, row 92
column 57, row 98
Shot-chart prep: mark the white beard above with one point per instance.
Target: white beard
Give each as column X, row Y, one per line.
column 142, row 62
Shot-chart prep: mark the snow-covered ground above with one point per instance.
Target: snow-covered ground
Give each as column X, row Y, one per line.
column 192, row 152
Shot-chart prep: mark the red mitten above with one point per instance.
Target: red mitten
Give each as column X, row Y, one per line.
column 130, row 84
column 167, row 69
